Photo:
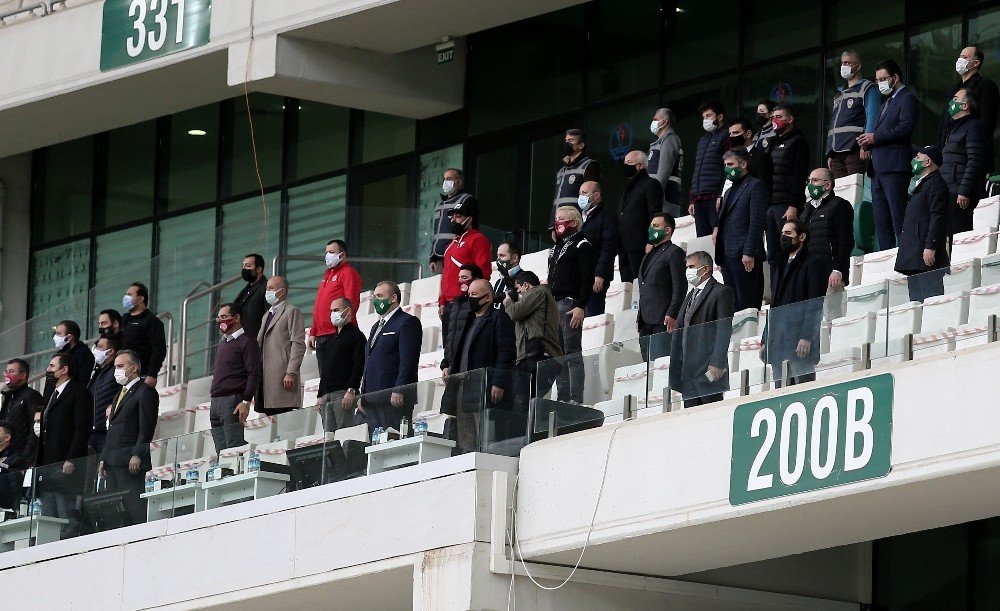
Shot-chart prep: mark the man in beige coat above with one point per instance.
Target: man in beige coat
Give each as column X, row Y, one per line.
column 282, row 339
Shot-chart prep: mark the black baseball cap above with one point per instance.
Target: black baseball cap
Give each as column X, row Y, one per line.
column 467, row 207
column 931, row 151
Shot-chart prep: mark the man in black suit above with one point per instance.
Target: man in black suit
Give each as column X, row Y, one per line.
column 965, row 158
column 798, row 287
column 830, row 224
column 103, row 388
column 922, row 253
column 20, row 402
column 642, row 197
column 251, row 301
column 65, row 431
column 392, row 353
column 67, row 341
column 11, row 466
column 487, row 342
column 661, row 288
column 699, row 356
column 739, row 236
column 125, row 459
column 601, row 229
column 509, row 266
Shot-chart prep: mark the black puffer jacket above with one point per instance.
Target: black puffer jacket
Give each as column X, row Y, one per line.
column 790, row 155
column 965, row 162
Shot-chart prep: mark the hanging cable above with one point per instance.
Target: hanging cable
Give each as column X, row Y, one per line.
column 253, row 138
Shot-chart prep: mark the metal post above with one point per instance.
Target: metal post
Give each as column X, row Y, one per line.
column 668, row 400
column 785, row 377
column 171, row 376
column 629, row 407
column 866, row 356
column 553, row 419
column 991, row 329
column 182, row 349
column 908, row 347
column 744, row 382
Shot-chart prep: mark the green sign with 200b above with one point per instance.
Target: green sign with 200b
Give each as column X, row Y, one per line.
column 812, row 439
column 139, row 30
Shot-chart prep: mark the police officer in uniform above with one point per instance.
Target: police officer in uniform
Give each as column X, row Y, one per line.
column 855, row 110
column 577, row 169
column 452, row 195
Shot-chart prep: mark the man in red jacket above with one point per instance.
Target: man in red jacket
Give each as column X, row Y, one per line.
column 470, row 246
column 340, row 280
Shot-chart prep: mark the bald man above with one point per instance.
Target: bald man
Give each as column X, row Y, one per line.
column 642, row 197
column 601, row 229
column 282, row 340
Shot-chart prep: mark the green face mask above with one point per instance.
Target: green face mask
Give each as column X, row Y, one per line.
column 814, row 191
column 731, row 173
column 917, row 167
column 381, row 305
column 954, row 108
column 655, row 235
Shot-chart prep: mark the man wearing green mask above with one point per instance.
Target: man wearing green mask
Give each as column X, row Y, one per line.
column 662, row 287
column 922, row 253
column 965, row 157
column 739, row 237
column 830, row 223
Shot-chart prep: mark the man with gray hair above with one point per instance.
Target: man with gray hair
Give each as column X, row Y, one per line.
column 282, row 341
column 855, row 111
column 666, row 158
column 641, row 198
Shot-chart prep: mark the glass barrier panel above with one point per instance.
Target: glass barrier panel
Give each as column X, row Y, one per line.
column 505, row 413
column 703, row 359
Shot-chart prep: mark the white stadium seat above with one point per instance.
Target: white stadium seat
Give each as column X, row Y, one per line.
column 747, row 356
column 199, row 390
column 891, row 326
column 295, row 424
column 404, row 292
column 625, row 325
column 851, row 188
column 619, row 297
column 310, row 366
column 310, row 388
column 847, row 334
column 260, row 430
column 685, row 230
column 986, row 214
column 365, row 307
column 876, row 267
column 425, row 290
column 431, row 339
column 612, row 357
column 983, row 302
column 977, row 243
column 598, row 331
column 989, row 270
column 867, row 298
column 172, row 397
column 745, row 324
column 964, row 276
column 537, row 262
column 429, row 365
column 940, row 318
column 202, row 416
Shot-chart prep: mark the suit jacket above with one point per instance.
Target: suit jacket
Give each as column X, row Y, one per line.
column 925, row 225
column 601, row 230
column 81, row 365
column 132, row 426
column 893, row 149
column 797, row 291
column 66, row 423
column 282, row 346
column 641, row 197
column 661, row 283
column 18, row 408
column 703, row 341
column 742, row 219
column 391, row 356
column 253, row 305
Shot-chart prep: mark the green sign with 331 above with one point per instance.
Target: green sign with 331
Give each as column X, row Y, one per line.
column 135, row 31
column 812, row 439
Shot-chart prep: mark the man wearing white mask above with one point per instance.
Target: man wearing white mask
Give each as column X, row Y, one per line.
column 601, row 229
column 707, row 178
column 855, row 110
column 968, row 66
column 104, row 388
column 143, row 332
column 666, row 157
column 282, row 340
column 341, row 375
column 67, row 341
column 452, row 195
column 340, row 280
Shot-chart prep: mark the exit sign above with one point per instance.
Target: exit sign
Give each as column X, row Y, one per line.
column 446, row 56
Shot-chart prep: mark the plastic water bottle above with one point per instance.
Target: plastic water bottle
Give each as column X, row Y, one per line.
column 420, row 426
column 150, row 482
column 36, row 507
column 404, row 428
column 253, row 465
column 377, row 435
column 191, row 477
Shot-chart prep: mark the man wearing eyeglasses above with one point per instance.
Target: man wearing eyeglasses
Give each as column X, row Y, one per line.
column 235, row 379
column 830, row 223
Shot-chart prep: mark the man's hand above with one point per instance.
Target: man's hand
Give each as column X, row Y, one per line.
column 444, row 372
column 836, row 279
column 440, row 311
column 649, row 248
column 576, row 318
column 68, row 468
column 100, row 470
column 348, row 400
column 748, row 263
column 829, row 163
column 134, row 464
column 963, row 201
column 289, row 381
column 598, row 284
column 865, row 155
column 243, row 410
column 929, row 257
column 715, row 235
column 496, row 394
column 670, row 323
column 150, row 381
column 866, row 140
column 691, row 208
column 396, row 399
column 716, row 372
column 790, row 214
column 310, row 342
column 718, row 204
column 433, row 267
column 802, row 349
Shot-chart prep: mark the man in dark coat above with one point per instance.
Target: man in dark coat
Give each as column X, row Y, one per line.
column 922, row 254
column 739, row 238
column 699, row 354
column 601, row 229
column 251, row 299
column 642, row 197
column 968, row 66
column 661, row 288
column 790, row 156
column 964, row 155
column 798, row 286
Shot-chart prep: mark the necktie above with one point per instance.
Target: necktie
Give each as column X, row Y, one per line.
column 118, row 401
column 690, row 310
column 267, row 323
column 378, row 329
column 885, row 107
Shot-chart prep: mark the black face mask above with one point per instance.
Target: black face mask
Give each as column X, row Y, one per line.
column 248, row 275
column 50, row 377
column 630, row 171
column 106, row 331
column 762, row 117
column 739, row 140
column 478, row 303
column 568, row 148
column 457, row 228
column 787, row 245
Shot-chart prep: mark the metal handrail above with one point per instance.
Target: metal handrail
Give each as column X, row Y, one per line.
column 26, row 9
column 316, row 258
column 170, row 344
column 182, row 354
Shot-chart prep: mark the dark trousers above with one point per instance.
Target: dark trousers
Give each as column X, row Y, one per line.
column 657, row 344
column 772, row 232
column 446, row 323
column 227, row 430
column 597, row 301
column 792, row 380
column 628, row 264
column 926, row 284
column 571, row 379
column 845, row 164
column 888, row 205
column 747, row 286
column 59, row 502
column 706, row 217
column 322, row 345
column 121, row 480
column 703, row 400
column 961, row 218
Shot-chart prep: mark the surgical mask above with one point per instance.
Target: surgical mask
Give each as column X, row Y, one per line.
column 562, row 227
column 709, row 125
column 884, row 87
column 337, row 318
column 787, row 245
column 59, row 341
column 655, row 235
column 655, row 127
column 846, row 72
column 121, row 377
column 961, row 65
column 954, row 107
column 814, row 191
column 630, row 171
column 738, row 140
column 99, row 355
column 381, row 305
column 128, row 303
column 779, row 124
column 247, row 275
column 732, row 173
column 448, row 187
column 271, row 297
column 691, row 274
column 333, row 259
column 583, row 201
column 37, row 428
column 917, row 167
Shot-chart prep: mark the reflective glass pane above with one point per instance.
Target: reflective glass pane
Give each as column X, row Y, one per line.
column 933, row 49
column 122, row 258
column 793, row 82
column 699, row 40
column 60, row 279
column 848, row 18
column 546, row 157
column 66, row 190
column 268, row 113
column 432, row 167
column 248, row 226
column 613, row 132
column 773, row 31
column 923, row 570
column 496, row 186
column 984, row 29
column 321, row 139
column 131, row 164
column 387, row 135
column 317, row 213
column 192, row 154
column 383, row 227
column 623, row 48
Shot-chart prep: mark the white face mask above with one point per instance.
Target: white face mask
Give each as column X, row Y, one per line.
column 59, row 341
column 100, row 355
column 333, row 259
column 655, row 127
column 584, row 202
column 961, row 65
column 709, row 125
column 692, row 275
column 271, row 297
column 448, row 187
column 845, row 72
column 884, row 87
column 337, row 318
column 121, row 377
column 37, row 428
